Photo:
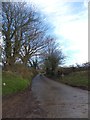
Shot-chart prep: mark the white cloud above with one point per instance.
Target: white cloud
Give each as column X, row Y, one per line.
column 71, row 27
column 74, row 30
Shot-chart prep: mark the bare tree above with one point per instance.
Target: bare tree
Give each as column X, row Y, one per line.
column 23, row 32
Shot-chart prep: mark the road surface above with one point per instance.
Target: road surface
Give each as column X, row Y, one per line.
column 59, row 100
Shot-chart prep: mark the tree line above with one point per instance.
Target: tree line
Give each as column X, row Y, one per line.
column 25, row 36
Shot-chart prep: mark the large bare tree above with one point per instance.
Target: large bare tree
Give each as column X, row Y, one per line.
column 23, row 32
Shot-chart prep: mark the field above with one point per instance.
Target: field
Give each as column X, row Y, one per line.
column 12, row 83
column 76, row 79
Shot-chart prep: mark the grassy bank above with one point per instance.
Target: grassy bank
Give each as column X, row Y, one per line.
column 76, row 79
column 14, row 83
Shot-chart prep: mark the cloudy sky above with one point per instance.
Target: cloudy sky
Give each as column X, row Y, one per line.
column 70, row 25
column 69, row 22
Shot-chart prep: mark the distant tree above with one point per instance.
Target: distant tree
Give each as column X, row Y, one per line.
column 52, row 57
column 34, row 62
column 86, row 65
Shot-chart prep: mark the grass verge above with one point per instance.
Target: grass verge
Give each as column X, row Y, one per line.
column 13, row 83
column 76, row 79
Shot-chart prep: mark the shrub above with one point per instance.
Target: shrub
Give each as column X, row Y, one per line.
column 22, row 70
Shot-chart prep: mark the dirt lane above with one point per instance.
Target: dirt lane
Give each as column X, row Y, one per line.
column 59, row 100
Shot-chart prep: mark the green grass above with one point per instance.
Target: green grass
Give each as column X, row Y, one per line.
column 77, row 79
column 14, row 83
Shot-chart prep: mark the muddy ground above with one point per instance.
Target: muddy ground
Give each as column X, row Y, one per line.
column 22, row 105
